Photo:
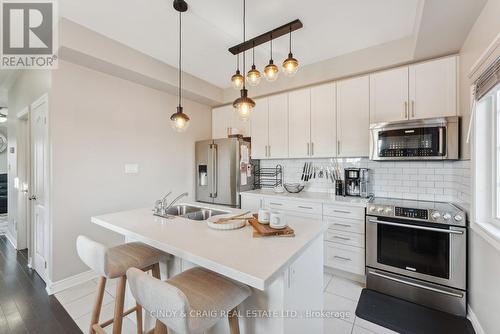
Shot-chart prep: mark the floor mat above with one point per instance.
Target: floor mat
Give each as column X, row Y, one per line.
column 408, row 318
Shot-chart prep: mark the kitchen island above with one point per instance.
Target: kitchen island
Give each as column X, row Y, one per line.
column 286, row 273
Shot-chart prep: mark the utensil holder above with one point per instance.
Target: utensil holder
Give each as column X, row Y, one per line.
column 339, row 188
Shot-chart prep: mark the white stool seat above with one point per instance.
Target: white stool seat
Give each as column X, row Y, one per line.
column 204, row 297
column 113, row 262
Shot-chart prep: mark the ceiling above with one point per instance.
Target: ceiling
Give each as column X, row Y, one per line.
column 331, row 28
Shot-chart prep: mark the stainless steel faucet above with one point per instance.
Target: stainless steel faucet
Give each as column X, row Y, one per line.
column 175, row 200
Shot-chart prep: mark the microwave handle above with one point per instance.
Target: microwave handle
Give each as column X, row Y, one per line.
column 416, row 227
column 441, row 141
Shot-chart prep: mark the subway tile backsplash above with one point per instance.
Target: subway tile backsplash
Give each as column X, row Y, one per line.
column 446, row 181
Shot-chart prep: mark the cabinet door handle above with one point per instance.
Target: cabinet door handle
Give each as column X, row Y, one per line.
column 341, row 211
column 343, row 225
column 341, row 238
column 412, row 108
column 305, row 207
column 279, row 204
column 342, row 258
column 269, row 151
column 307, row 148
column 406, row 109
column 312, row 148
column 338, row 147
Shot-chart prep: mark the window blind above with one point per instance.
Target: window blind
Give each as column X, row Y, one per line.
column 488, row 80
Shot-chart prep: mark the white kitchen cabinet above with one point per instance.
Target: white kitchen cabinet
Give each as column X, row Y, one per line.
column 323, row 129
column 269, row 130
column 259, row 131
column 226, row 118
column 251, row 203
column 299, row 116
column 433, row 88
column 389, row 95
column 221, row 121
column 353, row 117
column 278, row 126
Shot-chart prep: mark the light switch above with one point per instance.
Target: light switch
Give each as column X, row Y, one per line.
column 131, row 168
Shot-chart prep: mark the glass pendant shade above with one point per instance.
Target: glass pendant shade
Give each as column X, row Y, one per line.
column 253, row 76
column 179, row 121
column 237, row 80
column 290, row 66
column 271, row 71
column 244, row 105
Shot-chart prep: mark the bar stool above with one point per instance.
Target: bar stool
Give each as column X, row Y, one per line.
column 112, row 263
column 190, row 302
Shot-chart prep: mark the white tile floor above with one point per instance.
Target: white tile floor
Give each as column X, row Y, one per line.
column 340, row 295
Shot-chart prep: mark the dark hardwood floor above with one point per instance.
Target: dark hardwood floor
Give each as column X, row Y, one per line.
column 25, row 307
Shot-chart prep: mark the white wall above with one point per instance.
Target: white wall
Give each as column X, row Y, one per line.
column 484, row 259
column 97, row 124
column 3, row 155
column 28, row 87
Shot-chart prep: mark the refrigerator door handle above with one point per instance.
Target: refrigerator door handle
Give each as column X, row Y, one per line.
column 215, row 168
column 210, row 175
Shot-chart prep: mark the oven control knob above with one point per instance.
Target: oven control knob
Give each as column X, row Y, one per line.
column 447, row 216
column 458, row 217
column 373, row 209
column 388, row 211
column 436, row 215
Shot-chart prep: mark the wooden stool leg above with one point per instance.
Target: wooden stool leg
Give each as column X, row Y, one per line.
column 96, row 312
column 119, row 300
column 234, row 326
column 138, row 317
column 160, row 328
column 156, row 271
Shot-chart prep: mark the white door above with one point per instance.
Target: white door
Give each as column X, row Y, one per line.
column 39, row 175
column 259, row 130
column 353, row 109
column 323, row 129
column 389, row 95
column 221, row 121
column 433, row 88
column 278, row 126
column 299, row 116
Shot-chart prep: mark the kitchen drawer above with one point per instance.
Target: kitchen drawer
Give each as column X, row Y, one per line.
column 296, row 206
column 342, row 211
column 346, row 238
column 343, row 257
column 347, row 225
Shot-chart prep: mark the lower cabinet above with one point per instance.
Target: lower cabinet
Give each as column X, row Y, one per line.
column 344, row 241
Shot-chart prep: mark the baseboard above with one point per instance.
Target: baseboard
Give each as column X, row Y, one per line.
column 69, row 282
column 11, row 239
column 475, row 321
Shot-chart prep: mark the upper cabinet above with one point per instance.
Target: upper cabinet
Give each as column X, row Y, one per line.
column 225, row 119
column 269, row 129
column 389, row 95
column 299, row 123
column 353, row 109
column 323, row 130
column 433, row 88
column 423, row 90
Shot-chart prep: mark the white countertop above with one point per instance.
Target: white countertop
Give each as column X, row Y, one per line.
column 234, row 253
column 326, row 198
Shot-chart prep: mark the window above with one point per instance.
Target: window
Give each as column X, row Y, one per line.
column 487, row 160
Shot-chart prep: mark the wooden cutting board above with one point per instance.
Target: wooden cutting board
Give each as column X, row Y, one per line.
column 264, row 230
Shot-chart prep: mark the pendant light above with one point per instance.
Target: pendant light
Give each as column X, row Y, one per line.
column 179, row 120
column 244, row 105
column 253, row 76
column 237, row 79
column 290, row 65
column 271, row 71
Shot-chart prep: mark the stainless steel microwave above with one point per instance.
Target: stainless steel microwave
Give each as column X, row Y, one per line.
column 424, row 139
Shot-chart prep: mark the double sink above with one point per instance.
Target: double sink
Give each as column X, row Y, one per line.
column 191, row 212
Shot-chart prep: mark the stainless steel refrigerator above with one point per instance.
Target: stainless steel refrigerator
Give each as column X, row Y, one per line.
column 223, row 170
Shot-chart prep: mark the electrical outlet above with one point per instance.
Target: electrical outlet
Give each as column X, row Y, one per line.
column 131, row 168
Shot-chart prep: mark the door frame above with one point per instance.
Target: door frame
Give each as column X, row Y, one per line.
column 47, row 180
column 23, row 183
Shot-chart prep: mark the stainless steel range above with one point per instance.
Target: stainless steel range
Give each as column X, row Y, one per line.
column 417, row 250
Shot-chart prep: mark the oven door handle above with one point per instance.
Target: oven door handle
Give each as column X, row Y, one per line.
column 444, row 292
column 416, row 227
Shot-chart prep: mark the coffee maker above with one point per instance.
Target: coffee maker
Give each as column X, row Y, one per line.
column 357, row 182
